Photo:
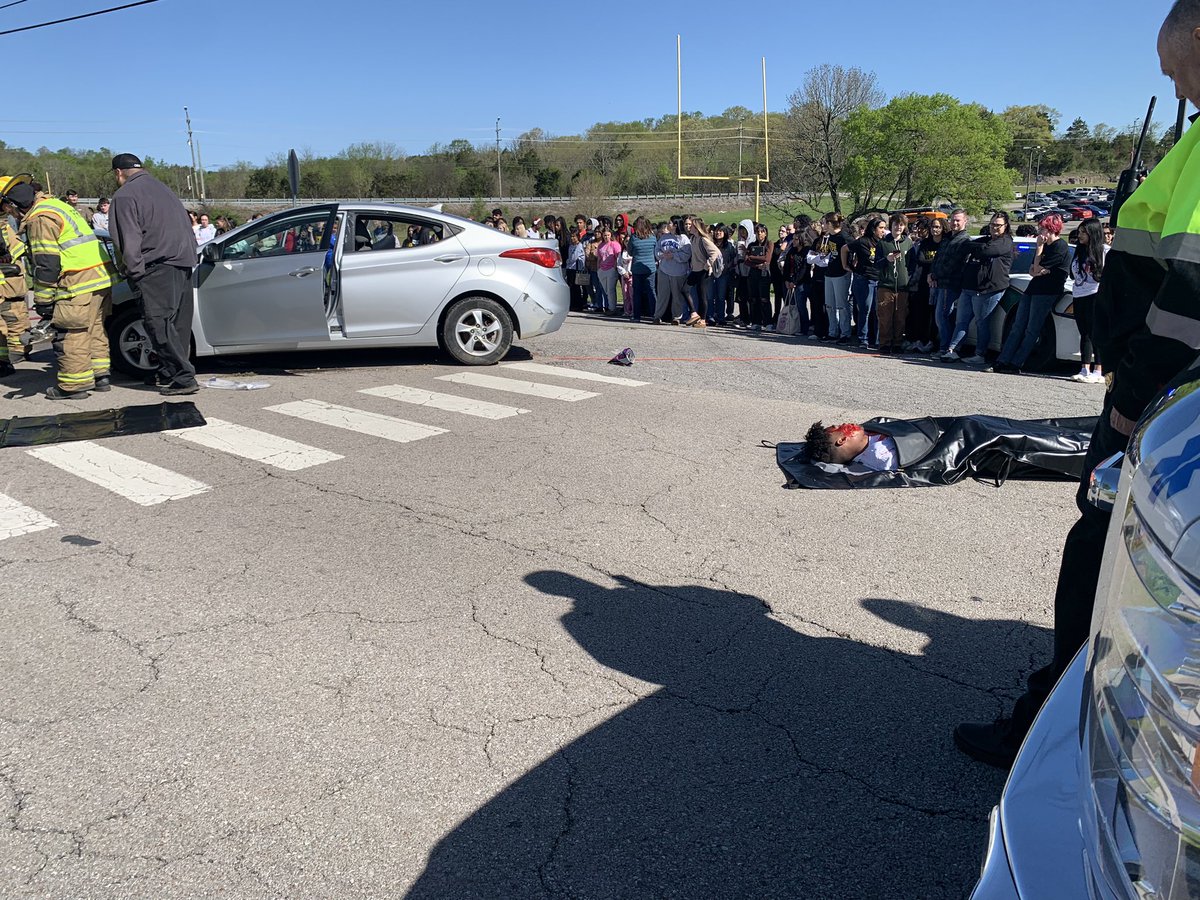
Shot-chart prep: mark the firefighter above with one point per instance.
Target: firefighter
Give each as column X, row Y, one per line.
column 72, row 285
column 1147, row 332
column 14, row 310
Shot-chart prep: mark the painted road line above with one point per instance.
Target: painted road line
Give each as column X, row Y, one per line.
column 531, row 388
column 17, row 518
column 141, row 482
column 563, row 372
column 259, row 446
column 351, row 419
column 447, row 402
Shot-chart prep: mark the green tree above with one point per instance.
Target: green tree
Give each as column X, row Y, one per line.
column 920, row 148
column 1030, row 126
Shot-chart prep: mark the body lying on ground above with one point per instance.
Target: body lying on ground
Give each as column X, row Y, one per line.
column 932, row 451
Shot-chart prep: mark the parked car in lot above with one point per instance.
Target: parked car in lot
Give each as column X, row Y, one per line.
column 1079, row 213
column 337, row 276
column 1028, row 215
column 1103, row 800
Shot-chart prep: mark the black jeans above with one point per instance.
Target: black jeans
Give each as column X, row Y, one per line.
column 167, row 316
column 1078, row 576
column 760, row 297
column 1084, row 320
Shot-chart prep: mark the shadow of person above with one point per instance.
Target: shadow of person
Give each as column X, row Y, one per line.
column 768, row 763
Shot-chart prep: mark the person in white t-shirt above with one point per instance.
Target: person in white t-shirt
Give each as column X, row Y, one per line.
column 100, row 216
column 205, row 232
column 849, row 444
column 1086, row 268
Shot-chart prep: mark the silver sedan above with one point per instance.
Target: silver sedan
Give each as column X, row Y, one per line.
column 336, row 276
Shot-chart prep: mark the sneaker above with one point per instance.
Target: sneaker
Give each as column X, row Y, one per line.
column 1006, row 368
column 996, row 743
column 908, row 346
column 1083, row 375
column 1096, row 378
column 976, row 360
column 844, row 339
column 768, row 328
column 701, row 324
column 950, row 356
column 692, row 319
column 757, row 329
column 178, row 390
column 103, row 384
column 57, row 393
column 827, row 338
column 926, row 347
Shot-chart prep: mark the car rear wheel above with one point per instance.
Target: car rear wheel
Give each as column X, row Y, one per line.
column 129, row 344
column 477, row 331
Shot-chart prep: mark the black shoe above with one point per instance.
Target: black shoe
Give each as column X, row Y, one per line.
column 827, row 338
column 1005, row 369
column 103, row 384
column 842, row 340
column 6, row 369
column 177, row 390
column 57, row 393
column 995, row 743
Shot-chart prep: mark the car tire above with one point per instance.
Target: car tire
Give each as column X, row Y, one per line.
column 477, row 331
column 129, row 346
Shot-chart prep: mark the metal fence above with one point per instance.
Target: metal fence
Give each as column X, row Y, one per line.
column 468, row 201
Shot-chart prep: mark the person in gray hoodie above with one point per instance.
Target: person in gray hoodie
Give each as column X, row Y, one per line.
column 674, row 256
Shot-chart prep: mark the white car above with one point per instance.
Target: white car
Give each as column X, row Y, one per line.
column 338, row 276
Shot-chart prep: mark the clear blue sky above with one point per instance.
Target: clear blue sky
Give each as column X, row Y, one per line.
column 260, row 77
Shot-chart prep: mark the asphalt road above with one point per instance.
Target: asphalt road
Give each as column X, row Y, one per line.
column 591, row 650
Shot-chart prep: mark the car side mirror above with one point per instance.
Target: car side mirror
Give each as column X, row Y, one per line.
column 1104, row 482
column 210, row 253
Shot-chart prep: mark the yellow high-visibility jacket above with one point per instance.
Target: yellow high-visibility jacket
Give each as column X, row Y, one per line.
column 68, row 258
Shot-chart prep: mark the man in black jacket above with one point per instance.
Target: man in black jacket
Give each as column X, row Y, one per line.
column 156, row 251
column 1147, row 332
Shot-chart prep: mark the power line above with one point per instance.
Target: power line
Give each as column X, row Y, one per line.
column 14, row 3
column 99, row 12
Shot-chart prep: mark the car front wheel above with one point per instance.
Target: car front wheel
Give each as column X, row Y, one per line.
column 477, row 331
column 129, row 345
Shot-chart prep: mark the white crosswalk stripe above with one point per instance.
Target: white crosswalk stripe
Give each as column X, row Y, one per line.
column 447, row 402
column 530, row 388
column 133, row 479
column 358, row 420
column 582, row 375
column 249, row 443
column 16, row 518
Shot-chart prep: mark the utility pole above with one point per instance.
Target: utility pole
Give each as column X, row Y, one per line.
column 740, row 128
column 499, row 183
column 200, row 167
column 1029, row 172
column 192, row 147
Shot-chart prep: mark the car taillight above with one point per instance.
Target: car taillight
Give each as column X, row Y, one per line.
column 545, row 257
column 1143, row 723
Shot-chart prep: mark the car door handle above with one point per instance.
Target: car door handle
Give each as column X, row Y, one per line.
column 446, row 259
column 300, row 273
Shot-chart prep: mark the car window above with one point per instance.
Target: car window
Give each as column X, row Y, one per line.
column 281, row 237
column 377, row 232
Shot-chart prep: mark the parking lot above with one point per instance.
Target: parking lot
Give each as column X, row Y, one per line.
column 571, row 642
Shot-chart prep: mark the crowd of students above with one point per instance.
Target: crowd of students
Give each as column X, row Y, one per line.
column 895, row 285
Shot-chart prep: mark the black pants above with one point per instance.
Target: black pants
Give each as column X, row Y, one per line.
column 760, row 297
column 167, row 316
column 1078, row 576
column 1084, row 321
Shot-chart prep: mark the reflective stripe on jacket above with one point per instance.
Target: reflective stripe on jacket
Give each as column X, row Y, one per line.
column 1147, row 310
column 68, row 258
column 13, row 286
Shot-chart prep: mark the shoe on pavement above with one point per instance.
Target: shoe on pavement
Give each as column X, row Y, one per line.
column 926, row 347
column 1095, row 378
column 700, row 324
column 103, row 384
column 949, row 356
column 6, row 369
column 692, row 319
column 1006, row 369
column 995, row 743
column 1083, row 375
column 975, row 360
column 57, row 393
column 844, row 339
column 178, row 390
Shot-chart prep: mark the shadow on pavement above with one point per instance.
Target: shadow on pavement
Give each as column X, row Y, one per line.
column 768, row 763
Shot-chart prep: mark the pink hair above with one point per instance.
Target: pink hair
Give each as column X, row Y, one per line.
column 1052, row 223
